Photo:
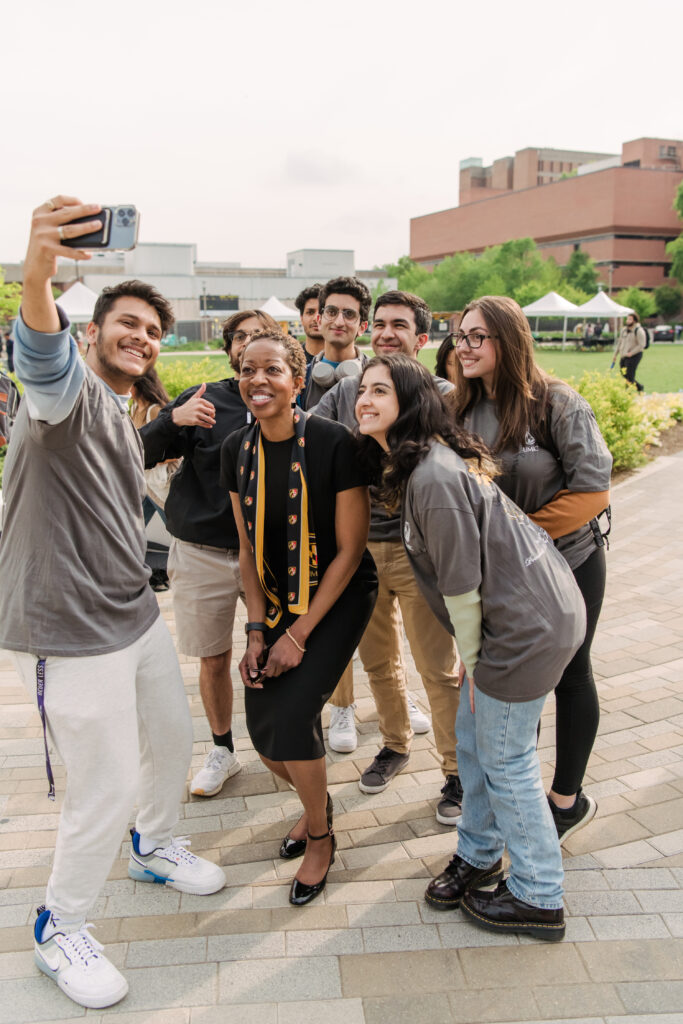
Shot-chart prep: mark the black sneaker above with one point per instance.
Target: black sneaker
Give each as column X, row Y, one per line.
column 379, row 774
column 570, row 821
column 449, row 808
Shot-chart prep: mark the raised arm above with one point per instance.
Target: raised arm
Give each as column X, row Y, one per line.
column 46, row 358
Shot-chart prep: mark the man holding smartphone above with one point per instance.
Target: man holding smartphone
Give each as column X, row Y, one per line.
column 80, row 620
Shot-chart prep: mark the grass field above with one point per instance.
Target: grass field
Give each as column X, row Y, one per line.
column 661, row 368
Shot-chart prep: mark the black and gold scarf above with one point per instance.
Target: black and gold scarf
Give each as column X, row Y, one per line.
column 302, row 557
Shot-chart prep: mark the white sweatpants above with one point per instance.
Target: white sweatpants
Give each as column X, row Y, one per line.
column 122, row 726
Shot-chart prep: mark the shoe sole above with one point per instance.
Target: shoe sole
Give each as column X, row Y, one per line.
column 436, row 904
column 588, row 817
column 213, row 792
column 546, row 932
column 347, row 748
column 444, row 820
column 139, row 874
column 364, row 788
column 91, row 1002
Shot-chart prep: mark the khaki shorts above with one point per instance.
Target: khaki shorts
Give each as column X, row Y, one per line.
column 205, row 585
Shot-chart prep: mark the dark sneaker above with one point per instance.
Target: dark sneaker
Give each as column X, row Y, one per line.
column 570, row 821
column 379, row 774
column 500, row 911
column 449, row 808
column 446, row 890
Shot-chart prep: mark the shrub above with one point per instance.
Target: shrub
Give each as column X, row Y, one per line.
column 179, row 374
column 619, row 415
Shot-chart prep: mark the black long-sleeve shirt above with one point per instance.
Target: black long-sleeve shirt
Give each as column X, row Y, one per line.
column 198, row 509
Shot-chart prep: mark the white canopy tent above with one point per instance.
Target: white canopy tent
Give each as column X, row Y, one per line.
column 601, row 305
column 78, row 303
column 552, row 304
column 278, row 310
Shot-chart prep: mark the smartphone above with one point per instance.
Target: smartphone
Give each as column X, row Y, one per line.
column 119, row 230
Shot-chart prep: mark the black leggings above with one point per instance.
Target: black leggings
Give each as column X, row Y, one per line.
column 576, row 698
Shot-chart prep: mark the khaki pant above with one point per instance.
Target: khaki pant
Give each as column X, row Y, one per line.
column 400, row 604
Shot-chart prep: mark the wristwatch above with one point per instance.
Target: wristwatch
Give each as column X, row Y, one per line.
column 251, row 627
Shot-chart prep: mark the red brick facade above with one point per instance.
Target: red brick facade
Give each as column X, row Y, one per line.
column 622, row 216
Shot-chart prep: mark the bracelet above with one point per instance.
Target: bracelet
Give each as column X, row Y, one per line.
column 252, row 627
column 297, row 645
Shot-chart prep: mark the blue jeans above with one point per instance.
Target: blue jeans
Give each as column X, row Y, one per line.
column 504, row 801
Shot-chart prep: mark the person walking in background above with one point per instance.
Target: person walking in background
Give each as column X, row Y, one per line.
column 629, row 349
column 497, row 583
column 203, row 562
column 80, row 619
column 556, row 467
column 302, row 511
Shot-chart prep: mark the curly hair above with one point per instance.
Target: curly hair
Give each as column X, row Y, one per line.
column 312, row 292
column 423, row 414
column 347, row 286
column 294, row 351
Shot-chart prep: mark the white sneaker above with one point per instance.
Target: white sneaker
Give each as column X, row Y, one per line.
column 220, row 764
column 175, row 866
column 419, row 722
column 342, row 732
column 74, row 961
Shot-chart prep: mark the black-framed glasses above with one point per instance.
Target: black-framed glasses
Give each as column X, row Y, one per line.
column 475, row 339
column 332, row 312
column 239, row 336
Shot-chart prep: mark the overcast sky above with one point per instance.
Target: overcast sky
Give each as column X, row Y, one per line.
column 260, row 126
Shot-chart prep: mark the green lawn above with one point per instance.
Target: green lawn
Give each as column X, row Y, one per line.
column 661, row 368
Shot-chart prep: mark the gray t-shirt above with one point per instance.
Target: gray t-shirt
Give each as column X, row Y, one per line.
column 339, row 404
column 531, row 476
column 462, row 533
column 72, row 554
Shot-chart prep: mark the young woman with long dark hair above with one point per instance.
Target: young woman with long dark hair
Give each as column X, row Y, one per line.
column 556, row 467
column 496, row 582
column 303, row 512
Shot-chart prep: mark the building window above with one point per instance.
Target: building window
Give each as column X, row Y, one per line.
column 667, row 152
column 540, row 165
column 539, row 180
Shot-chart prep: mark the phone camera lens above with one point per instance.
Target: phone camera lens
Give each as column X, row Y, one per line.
column 125, row 222
column 130, row 212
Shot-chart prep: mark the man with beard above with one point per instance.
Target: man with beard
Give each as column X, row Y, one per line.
column 307, row 304
column 203, row 562
column 76, row 610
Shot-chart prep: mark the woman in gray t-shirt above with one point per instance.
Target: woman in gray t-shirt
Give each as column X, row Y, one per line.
column 499, row 585
column 556, row 467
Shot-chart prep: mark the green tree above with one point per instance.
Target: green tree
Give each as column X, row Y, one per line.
column 10, row 299
column 636, row 298
column 668, row 300
column 580, row 272
column 675, row 248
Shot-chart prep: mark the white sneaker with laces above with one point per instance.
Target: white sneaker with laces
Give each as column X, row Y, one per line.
column 419, row 722
column 175, row 866
column 74, row 961
column 220, row 764
column 342, row 732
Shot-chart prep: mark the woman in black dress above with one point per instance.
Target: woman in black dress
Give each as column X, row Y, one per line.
column 303, row 511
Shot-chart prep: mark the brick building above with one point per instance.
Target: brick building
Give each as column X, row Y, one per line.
column 616, row 208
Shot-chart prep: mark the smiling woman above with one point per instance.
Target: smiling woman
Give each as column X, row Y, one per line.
column 303, row 512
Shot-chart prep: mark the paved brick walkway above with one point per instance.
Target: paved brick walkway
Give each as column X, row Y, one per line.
column 370, row 950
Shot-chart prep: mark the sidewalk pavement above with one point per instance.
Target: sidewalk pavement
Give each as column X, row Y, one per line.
column 370, row 950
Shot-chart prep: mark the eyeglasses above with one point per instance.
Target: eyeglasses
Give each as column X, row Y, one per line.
column 332, row 312
column 239, row 336
column 474, row 339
